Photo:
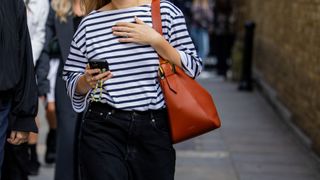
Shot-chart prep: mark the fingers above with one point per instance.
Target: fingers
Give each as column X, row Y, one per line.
column 17, row 137
column 92, row 71
column 88, row 76
column 127, row 40
column 126, row 24
column 123, row 34
column 138, row 21
column 109, row 76
column 127, row 27
column 101, row 76
column 92, row 83
column 122, row 29
column 12, row 136
column 20, row 138
column 92, row 80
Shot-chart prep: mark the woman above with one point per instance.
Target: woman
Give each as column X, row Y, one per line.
column 201, row 23
column 63, row 19
column 125, row 130
column 223, row 34
column 18, row 90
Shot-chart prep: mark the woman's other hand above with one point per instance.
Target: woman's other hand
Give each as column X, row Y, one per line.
column 138, row 32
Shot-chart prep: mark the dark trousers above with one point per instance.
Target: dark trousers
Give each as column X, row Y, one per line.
column 16, row 160
column 122, row 145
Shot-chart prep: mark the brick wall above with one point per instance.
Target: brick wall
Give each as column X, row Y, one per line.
column 287, row 53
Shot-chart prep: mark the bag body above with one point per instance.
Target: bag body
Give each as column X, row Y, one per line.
column 191, row 109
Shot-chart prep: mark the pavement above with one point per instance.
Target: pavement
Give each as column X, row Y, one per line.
column 252, row 144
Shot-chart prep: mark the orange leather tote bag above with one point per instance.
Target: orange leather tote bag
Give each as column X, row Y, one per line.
column 191, row 109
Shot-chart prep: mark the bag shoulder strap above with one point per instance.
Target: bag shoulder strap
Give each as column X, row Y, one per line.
column 156, row 16
column 157, row 22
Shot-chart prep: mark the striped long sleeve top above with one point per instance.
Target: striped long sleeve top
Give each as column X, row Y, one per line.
column 134, row 85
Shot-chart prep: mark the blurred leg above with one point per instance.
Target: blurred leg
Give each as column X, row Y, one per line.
column 206, row 43
column 50, row 155
column 51, row 115
column 34, row 163
column 195, row 37
column 200, row 43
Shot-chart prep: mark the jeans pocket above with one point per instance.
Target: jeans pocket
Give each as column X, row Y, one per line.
column 160, row 125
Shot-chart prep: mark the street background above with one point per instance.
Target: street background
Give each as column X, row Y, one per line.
column 272, row 133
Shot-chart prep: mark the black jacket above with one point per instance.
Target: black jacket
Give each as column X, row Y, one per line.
column 17, row 78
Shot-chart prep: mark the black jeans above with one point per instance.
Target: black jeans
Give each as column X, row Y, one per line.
column 123, row 145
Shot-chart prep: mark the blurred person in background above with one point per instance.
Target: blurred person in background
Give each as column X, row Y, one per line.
column 185, row 7
column 18, row 89
column 63, row 20
column 37, row 12
column 201, row 24
column 223, row 35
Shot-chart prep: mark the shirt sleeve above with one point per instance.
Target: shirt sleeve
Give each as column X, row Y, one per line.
column 73, row 69
column 180, row 39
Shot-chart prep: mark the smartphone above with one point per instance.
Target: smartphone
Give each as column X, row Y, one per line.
column 99, row 64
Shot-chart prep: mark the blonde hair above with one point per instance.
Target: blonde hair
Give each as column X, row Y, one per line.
column 63, row 8
column 90, row 5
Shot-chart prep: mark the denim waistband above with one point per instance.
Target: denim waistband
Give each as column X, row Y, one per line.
column 104, row 108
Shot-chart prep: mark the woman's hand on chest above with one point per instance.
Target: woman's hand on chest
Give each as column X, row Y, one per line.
column 138, row 32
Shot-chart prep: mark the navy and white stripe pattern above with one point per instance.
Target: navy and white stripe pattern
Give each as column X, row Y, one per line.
column 134, row 85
